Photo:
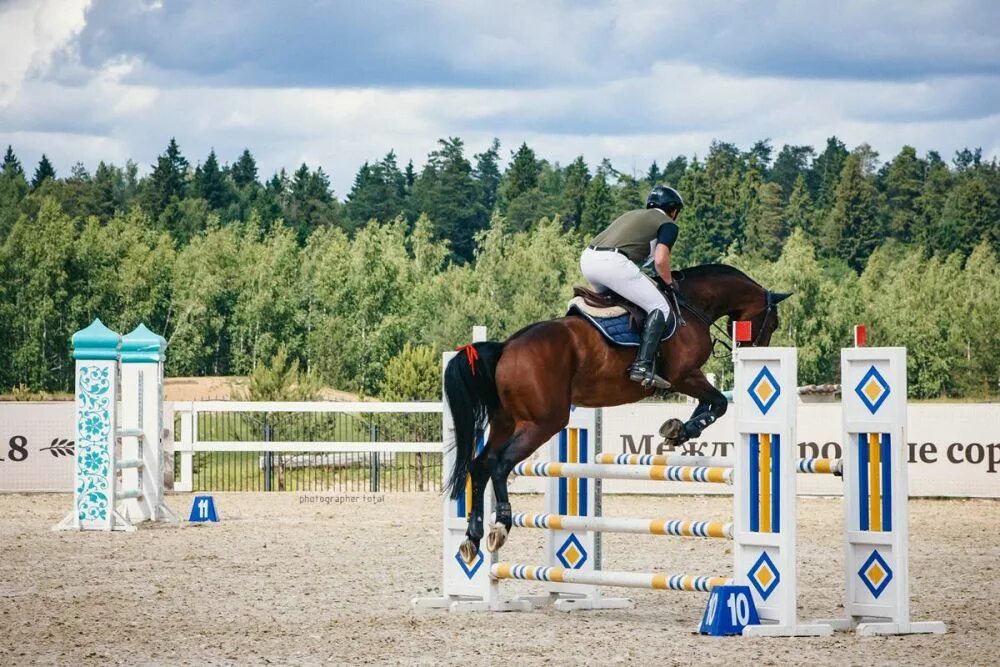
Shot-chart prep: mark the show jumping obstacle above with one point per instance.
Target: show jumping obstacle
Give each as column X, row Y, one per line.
column 114, row 491
column 763, row 529
column 876, row 490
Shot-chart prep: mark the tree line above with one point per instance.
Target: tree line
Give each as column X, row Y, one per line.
column 365, row 292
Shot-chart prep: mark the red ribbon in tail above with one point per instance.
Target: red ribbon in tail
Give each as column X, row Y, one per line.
column 470, row 355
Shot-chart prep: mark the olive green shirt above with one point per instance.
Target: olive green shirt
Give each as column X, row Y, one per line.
column 634, row 233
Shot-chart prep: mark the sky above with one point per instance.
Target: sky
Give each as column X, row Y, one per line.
column 337, row 83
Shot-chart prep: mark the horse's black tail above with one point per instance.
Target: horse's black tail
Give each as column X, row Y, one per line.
column 470, row 388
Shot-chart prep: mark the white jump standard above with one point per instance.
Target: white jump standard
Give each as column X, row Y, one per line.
column 876, row 560
column 114, row 491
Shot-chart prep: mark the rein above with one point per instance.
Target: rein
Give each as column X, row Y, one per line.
column 713, row 324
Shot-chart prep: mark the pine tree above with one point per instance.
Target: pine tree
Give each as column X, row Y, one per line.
column 673, row 173
column 759, row 155
column 971, row 214
column 767, row 227
column 168, row 180
column 43, row 172
column 653, row 174
column 933, row 195
column 852, row 229
column 903, row 185
column 410, row 176
column 13, row 190
column 10, row 162
column 311, row 203
column 244, row 172
column 449, row 195
column 522, row 174
column 825, row 172
column 964, row 160
column 599, row 206
column 487, row 175
column 799, row 211
column 378, row 193
column 790, row 164
column 107, row 180
column 210, row 183
column 574, row 194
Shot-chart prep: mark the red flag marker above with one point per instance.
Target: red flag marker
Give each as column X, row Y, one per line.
column 860, row 335
column 742, row 331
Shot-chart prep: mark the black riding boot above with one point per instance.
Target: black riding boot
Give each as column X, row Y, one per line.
column 642, row 369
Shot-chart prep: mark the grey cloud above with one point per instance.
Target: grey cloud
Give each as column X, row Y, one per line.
column 394, row 43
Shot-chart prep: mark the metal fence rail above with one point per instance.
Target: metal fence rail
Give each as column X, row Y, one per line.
column 314, row 446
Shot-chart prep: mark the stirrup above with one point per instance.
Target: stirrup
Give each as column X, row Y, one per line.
column 649, row 378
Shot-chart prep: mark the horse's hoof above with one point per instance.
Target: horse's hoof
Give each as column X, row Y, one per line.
column 497, row 537
column 672, row 431
column 468, row 550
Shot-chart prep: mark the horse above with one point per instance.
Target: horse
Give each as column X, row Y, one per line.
column 523, row 387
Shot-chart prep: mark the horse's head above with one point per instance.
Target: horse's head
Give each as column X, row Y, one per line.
column 763, row 317
column 718, row 291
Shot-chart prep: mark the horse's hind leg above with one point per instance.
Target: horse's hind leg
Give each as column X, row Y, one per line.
column 480, row 471
column 528, row 437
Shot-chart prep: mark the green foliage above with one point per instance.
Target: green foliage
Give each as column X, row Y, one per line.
column 379, row 192
column 413, row 375
column 244, row 171
column 574, row 195
column 854, row 225
column 168, row 180
column 238, row 272
column 45, row 171
column 767, row 226
column 599, row 205
column 449, row 195
column 279, row 379
column 522, row 175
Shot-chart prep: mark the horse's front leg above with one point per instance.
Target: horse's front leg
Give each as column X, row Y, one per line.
column 711, row 405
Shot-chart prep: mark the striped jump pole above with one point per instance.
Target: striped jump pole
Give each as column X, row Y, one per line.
column 601, row 471
column 653, row 580
column 807, row 466
column 664, row 460
column 671, row 527
column 821, row 466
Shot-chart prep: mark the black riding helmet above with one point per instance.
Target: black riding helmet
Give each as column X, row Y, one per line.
column 664, row 198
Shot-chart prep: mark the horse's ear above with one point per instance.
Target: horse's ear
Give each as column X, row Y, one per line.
column 778, row 297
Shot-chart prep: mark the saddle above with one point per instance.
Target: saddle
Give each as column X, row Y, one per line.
column 609, row 304
column 618, row 319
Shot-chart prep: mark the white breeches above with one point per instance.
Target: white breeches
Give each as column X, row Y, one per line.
column 613, row 271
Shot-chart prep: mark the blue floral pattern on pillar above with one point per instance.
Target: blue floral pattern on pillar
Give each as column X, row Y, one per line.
column 93, row 435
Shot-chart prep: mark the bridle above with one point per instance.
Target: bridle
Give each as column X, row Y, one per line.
column 725, row 336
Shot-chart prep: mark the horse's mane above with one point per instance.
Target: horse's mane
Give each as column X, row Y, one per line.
column 710, row 270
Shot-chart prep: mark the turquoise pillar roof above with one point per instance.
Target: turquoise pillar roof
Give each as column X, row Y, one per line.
column 96, row 343
column 142, row 346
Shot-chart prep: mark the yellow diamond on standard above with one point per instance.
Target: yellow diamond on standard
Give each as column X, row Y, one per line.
column 764, row 391
column 764, row 576
column 572, row 555
column 873, row 390
column 876, row 574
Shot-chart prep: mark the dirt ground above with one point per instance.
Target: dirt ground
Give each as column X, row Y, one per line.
column 283, row 581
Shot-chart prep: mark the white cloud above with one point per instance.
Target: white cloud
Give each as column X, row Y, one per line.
column 52, row 102
column 31, row 33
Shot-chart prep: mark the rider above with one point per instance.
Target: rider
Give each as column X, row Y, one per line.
column 612, row 259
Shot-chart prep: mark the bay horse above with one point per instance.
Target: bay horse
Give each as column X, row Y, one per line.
column 524, row 387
